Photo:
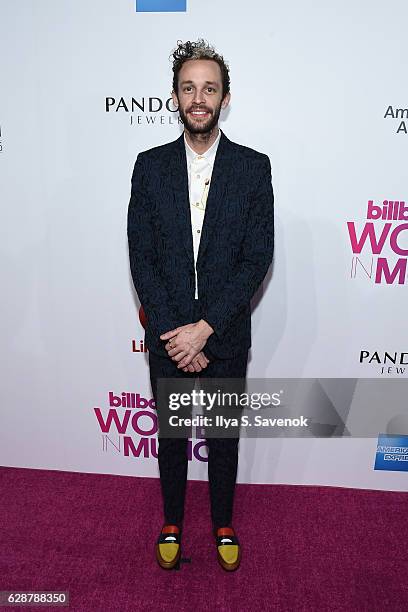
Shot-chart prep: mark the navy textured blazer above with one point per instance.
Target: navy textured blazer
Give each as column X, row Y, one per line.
column 236, row 245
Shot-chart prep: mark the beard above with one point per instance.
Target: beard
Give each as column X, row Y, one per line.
column 200, row 127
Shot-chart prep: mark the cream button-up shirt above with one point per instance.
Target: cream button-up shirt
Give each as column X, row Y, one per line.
column 199, row 169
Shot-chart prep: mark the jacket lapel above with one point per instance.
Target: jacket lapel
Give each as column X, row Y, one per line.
column 179, row 180
column 219, row 181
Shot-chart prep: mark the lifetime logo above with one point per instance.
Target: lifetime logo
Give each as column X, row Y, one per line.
column 161, row 6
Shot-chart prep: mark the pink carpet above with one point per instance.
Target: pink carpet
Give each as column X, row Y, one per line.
column 304, row 548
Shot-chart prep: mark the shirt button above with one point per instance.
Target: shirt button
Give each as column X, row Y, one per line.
column 198, row 231
column 198, row 176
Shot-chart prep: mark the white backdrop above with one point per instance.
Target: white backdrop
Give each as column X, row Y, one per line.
column 311, row 84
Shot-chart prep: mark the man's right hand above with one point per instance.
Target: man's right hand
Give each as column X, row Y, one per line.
column 199, row 362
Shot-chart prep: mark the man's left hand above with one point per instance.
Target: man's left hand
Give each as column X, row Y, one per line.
column 186, row 341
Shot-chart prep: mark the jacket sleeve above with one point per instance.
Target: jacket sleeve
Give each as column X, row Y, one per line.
column 256, row 257
column 152, row 293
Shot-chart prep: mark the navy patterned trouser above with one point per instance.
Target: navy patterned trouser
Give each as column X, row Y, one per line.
column 222, row 452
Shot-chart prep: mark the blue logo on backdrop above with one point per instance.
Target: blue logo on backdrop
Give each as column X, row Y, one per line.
column 392, row 453
column 161, row 6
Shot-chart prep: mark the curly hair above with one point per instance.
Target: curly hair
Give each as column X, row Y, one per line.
column 198, row 50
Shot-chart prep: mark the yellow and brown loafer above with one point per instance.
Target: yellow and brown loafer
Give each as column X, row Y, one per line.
column 168, row 547
column 228, row 548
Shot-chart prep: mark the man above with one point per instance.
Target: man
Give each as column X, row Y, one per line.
column 201, row 235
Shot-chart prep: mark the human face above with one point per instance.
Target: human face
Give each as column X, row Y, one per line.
column 199, row 96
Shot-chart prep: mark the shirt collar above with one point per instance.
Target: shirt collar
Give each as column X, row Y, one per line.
column 209, row 154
